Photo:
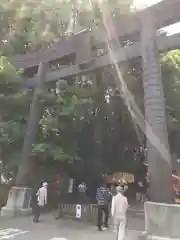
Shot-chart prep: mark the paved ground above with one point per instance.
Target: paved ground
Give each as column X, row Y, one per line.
column 66, row 229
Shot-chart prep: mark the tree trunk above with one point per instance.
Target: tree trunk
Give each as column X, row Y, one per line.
column 158, row 155
column 1, row 163
column 24, row 170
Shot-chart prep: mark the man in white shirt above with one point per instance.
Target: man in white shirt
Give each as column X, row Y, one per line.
column 41, row 200
column 118, row 211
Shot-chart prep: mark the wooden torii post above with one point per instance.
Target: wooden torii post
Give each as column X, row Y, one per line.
column 148, row 45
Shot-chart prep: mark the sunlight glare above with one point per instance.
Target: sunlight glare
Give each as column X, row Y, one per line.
column 140, row 4
column 128, row 98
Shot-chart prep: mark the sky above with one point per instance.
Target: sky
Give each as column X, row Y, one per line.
column 141, row 3
column 173, row 29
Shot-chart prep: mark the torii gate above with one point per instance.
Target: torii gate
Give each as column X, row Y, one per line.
column 141, row 26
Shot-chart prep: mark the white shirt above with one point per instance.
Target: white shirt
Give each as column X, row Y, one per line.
column 42, row 196
column 82, row 188
column 71, row 182
column 119, row 206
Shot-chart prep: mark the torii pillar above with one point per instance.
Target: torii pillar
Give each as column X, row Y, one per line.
column 19, row 198
column 160, row 213
column 158, row 153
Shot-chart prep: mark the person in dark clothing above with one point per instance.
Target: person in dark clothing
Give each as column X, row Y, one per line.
column 142, row 190
column 37, row 213
column 62, row 193
column 103, row 197
column 82, row 192
column 113, row 190
column 147, row 190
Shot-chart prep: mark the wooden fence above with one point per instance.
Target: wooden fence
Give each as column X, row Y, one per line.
column 88, row 211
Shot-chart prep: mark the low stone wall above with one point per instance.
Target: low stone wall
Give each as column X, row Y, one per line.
column 18, row 203
column 88, row 211
column 162, row 220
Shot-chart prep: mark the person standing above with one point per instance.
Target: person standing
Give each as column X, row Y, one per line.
column 62, row 195
column 123, row 185
column 102, row 197
column 118, row 211
column 113, row 194
column 41, row 201
column 142, row 186
column 113, row 190
column 82, row 188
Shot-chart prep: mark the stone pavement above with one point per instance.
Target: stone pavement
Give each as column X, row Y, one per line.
column 66, row 229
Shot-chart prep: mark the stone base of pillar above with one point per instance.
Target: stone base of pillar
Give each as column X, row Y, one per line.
column 18, row 203
column 162, row 221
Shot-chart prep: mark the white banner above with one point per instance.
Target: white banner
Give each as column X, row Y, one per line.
column 78, row 211
column 71, row 182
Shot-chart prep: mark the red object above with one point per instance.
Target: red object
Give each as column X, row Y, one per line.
column 175, row 179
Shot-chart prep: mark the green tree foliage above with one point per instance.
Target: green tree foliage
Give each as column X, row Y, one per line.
column 14, row 105
column 171, row 77
column 66, row 110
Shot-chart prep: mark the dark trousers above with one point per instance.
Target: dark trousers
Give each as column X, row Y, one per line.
column 37, row 213
column 60, row 211
column 82, row 198
column 103, row 209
